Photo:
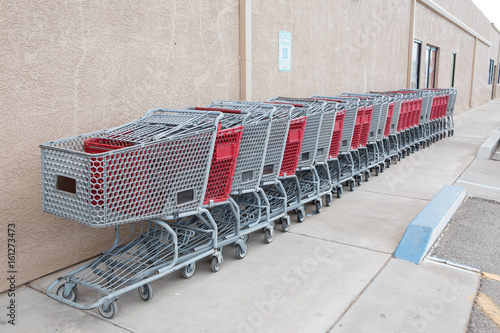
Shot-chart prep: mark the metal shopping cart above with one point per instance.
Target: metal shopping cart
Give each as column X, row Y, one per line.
column 341, row 164
column 304, row 186
column 247, row 209
column 373, row 149
column 146, row 174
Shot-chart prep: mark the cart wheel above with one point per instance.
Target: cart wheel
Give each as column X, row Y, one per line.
column 328, row 200
column 452, row 132
column 382, row 167
column 351, row 185
column 285, row 223
column 245, row 238
column 377, row 171
column 412, row 149
column 359, row 180
column 73, row 295
column 188, row 271
column 340, row 190
column 388, row 163
column 400, row 155
column 241, row 250
column 146, row 292
column 268, row 236
column 215, row 266
column 300, row 216
column 417, row 147
column 319, row 206
column 367, row 176
column 110, row 311
column 403, row 154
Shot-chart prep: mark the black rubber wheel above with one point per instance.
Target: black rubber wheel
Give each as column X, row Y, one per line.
column 110, row 311
column 188, row 271
column 300, row 216
column 73, row 294
column 319, row 206
column 340, row 190
column 268, row 236
column 328, row 200
column 367, row 176
column 241, row 251
column 351, row 185
column 359, row 180
column 285, row 224
column 146, row 292
column 215, row 265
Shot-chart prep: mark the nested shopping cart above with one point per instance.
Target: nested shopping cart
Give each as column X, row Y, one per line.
column 136, row 176
column 450, row 124
column 440, row 113
column 305, row 185
column 424, row 126
column 341, row 165
column 373, row 151
column 247, row 208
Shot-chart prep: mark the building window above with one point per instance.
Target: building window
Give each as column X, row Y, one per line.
column 430, row 66
column 453, row 63
column 415, row 65
column 491, row 72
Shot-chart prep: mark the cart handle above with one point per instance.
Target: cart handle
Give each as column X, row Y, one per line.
column 220, row 109
column 292, row 104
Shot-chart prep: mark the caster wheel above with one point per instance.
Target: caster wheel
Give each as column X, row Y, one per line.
column 452, row 132
column 328, row 200
column 399, row 156
column 285, row 224
column 377, row 171
column 245, row 238
column 188, row 270
column 319, row 206
column 403, row 154
column 388, row 164
column 367, row 176
column 109, row 311
column 359, row 181
column 339, row 192
column 268, row 236
column 73, row 294
column 215, row 265
column 382, row 166
column 241, row 251
column 300, row 216
column 351, row 185
column 146, row 291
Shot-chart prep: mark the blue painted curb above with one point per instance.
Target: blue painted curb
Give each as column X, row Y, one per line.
column 426, row 227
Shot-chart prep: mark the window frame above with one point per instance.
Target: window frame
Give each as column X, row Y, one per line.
column 453, row 68
column 415, row 84
column 428, row 55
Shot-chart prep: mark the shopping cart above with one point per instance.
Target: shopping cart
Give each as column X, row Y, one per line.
column 151, row 170
column 304, row 186
column 450, row 124
column 343, row 163
column 440, row 110
column 424, row 127
column 247, row 209
column 374, row 148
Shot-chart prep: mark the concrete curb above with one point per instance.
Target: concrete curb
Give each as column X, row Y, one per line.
column 489, row 146
column 426, row 227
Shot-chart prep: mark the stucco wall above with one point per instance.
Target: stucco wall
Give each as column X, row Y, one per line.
column 449, row 39
column 337, row 46
column 74, row 67
column 79, row 66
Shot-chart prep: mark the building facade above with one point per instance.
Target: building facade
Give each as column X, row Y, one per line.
column 79, row 66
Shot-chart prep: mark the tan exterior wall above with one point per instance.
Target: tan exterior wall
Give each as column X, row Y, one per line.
column 337, row 46
column 73, row 67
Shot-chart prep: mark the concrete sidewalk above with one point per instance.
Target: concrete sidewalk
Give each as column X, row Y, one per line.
column 334, row 272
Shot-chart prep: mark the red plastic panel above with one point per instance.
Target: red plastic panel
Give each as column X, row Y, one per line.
column 388, row 122
column 220, row 178
column 356, row 134
column 365, row 129
column 337, row 134
column 293, row 146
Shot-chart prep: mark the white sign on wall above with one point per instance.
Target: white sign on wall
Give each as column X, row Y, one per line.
column 285, row 51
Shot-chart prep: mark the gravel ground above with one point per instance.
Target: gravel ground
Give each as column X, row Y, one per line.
column 479, row 322
column 472, row 238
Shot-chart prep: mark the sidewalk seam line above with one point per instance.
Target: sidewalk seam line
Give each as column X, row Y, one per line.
column 358, row 295
column 337, row 242
column 394, row 195
column 88, row 313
